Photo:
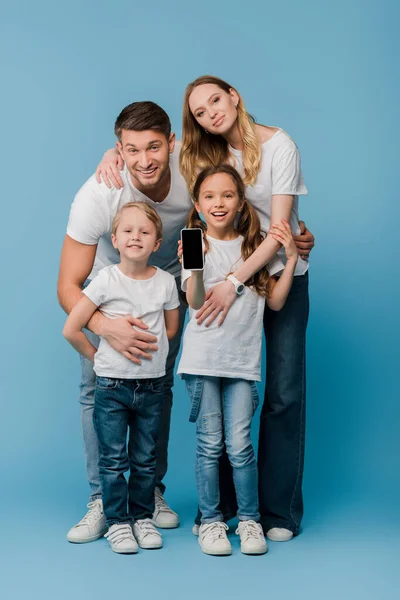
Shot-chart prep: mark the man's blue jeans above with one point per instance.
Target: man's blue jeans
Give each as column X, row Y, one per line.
column 223, row 409
column 87, row 387
column 121, row 404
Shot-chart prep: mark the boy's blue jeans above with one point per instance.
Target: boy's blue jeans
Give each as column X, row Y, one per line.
column 223, row 409
column 120, row 404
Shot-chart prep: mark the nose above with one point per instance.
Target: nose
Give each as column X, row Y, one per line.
column 144, row 160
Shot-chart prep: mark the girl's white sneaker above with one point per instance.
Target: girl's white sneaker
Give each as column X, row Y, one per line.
column 121, row 540
column 213, row 539
column 279, row 534
column 252, row 540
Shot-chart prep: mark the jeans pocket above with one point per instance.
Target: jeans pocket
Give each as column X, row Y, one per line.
column 254, row 396
column 157, row 385
column 106, row 383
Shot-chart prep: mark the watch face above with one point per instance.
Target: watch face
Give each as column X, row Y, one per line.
column 240, row 288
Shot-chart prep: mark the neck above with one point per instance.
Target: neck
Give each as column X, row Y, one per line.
column 158, row 192
column 225, row 234
column 136, row 269
column 234, row 138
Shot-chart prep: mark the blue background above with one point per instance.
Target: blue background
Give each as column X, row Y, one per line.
column 326, row 73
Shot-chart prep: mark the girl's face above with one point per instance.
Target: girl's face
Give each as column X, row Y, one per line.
column 213, row 108
column 219, row 203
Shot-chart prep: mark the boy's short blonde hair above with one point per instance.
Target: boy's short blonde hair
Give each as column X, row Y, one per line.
column 148, row 210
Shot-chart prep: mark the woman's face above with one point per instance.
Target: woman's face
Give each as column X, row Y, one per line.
column 214, row 109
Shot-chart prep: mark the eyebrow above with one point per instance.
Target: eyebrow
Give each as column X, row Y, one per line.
column 149, row 144
column 223, row 191
column 208, row 100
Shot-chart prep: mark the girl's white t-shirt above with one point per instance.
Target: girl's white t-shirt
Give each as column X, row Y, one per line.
column 234, row 348
column 280, row 174
column 118, row 295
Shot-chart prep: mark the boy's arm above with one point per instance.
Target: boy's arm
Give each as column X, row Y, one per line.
column 195, row 291
column 76, row 321
column 171, row 322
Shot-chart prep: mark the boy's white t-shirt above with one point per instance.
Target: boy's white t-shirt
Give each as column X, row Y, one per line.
column 118, row 295
column 95, row 206
column 234, row 348
column 280, row 174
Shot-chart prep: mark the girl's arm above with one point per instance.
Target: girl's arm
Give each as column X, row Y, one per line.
column 171, row 322
column 195, row 291
column 109, row 167
column 282, row 233
column 76, row 321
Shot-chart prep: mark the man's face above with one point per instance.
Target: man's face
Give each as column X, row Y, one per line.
column 146, row 154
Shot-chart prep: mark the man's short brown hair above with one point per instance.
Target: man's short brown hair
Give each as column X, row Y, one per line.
column 141, row 116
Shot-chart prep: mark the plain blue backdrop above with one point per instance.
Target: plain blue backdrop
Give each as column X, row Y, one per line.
column 326, row 73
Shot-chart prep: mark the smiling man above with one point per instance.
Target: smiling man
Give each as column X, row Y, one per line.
column 151, row 174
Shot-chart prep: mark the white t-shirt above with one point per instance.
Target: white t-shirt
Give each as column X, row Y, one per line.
column 118, row 295
column 95, row 206
column 280, row 174
column 234, row 348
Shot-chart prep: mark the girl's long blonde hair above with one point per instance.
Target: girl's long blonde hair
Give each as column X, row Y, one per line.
column 201, row 150
column 248, row 225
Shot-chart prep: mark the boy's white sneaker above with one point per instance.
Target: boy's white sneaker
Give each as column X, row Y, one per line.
column 147, row 535
column 163, row 517
column 279, row 534
column 92, row 527
column 252, row 540
column 121, row 540
column 213, row 539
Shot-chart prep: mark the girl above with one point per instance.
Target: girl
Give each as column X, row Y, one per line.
column 221, row 364
column 129, row 394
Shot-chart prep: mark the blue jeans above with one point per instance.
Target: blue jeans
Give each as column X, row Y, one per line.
column 223, row 409
column 121, row 404
column 87, row 387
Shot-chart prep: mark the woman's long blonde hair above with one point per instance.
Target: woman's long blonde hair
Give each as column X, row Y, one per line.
column 201, row 150
column 248, row 225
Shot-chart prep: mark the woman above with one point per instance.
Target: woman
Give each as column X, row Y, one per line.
column 217, row 129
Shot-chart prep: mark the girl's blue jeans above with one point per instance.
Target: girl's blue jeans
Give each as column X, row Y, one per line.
column 223, row 409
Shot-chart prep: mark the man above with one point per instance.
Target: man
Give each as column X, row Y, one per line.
column 151, row 174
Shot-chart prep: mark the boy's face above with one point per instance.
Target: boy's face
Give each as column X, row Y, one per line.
column 136, row 236
column 146, row 155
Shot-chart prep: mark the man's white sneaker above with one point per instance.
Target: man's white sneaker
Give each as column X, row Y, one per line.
column 92, row 527
column 252, row 540
column 163, row 517
column 147, row 535
column 213, row 540
column 121, row 540
column 279, row 534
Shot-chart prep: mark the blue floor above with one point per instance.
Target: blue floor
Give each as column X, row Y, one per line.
column 342, row 552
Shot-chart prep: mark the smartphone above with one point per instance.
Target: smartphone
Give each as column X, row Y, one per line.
column 192, row 249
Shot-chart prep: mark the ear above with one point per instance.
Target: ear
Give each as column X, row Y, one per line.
column 235, row 96
column 114, row 241
column 157, row 245
column 197, row 207
column 118, row 145
column 171, row 143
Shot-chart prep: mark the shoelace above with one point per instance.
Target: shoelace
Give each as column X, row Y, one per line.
column 214, row 530
column 249, row 529
column 119, row 533
column 160, row 504
column 92, row 515
column 146, row 527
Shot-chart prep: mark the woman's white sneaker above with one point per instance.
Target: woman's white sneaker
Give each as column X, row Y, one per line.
column 121, row 540
column 213, row 539
column 92, row 527
column 252, row 540
column 163, row 517
column 279, row 534
column 147, row 535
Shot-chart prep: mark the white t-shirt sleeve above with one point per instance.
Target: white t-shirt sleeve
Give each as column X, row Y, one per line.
column 89, row 217
column 173, row 298
column 98, row 288
column 286, row 171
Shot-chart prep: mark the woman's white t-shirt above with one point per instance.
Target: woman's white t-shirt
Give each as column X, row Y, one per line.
column 234, row 348
column 118, row 295
column 280, row 174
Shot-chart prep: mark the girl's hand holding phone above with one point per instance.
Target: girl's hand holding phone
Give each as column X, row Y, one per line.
column 282, row 233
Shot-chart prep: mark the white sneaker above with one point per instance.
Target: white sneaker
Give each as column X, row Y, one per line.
column 213, row 540
column 279, row 534
column 252, row 540
column 163, row 517
column 92, row 527
column 121, row 540
column 195, row 529
column 146, row 534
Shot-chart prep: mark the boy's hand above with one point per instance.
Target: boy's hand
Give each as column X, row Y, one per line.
column 282, row 233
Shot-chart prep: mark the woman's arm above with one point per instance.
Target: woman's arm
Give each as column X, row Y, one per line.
column 195, row 291
column 109, row 167
column 76, row 321
column 171, row 322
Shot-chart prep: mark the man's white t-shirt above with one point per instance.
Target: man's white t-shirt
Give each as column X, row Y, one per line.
column 118, row 295
column 280, row 174
column 234, row 348
column 95, row 207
